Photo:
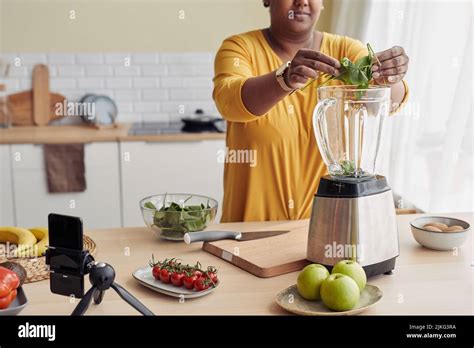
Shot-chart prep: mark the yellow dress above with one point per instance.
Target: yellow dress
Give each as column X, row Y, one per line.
column 273, row 164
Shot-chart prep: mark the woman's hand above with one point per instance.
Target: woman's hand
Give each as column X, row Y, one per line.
column 307, row 64
column 391, row 66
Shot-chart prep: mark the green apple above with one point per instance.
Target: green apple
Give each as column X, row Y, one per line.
column 309, row 281
column 339, row 292
column 352, row 269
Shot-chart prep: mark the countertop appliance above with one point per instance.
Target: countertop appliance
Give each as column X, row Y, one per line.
column 353, row 215
column 197, row 123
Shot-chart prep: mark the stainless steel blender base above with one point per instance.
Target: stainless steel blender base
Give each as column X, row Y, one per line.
column 362, row 228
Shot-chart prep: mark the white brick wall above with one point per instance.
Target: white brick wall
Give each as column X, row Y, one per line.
column 145, row 86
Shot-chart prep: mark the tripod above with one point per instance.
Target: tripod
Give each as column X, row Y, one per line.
column 102, row 276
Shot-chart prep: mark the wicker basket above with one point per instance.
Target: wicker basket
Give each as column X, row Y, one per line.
column 36, row 268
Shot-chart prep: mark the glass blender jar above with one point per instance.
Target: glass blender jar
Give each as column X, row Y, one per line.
column 353, row 214
column 348, row 124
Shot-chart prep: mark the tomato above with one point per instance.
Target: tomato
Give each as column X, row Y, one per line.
column 177, row 279
column 202, row 283
column 156, row 272
column 197, row 273
column 165, row 275
column 189, row 280
column 212, row 276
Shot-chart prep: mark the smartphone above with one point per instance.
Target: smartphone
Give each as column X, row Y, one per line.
column 65, row 231
column 65, row 255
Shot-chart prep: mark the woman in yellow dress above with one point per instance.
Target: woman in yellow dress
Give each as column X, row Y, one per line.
column 255, row 74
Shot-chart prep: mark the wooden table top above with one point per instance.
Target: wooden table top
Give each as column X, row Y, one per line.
column 424, row 282
column 86, row 134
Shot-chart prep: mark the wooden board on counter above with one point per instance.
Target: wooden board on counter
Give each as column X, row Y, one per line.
column 266, row 257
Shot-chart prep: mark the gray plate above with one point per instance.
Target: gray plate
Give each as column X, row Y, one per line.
column 290, row 300
column 145, row 277
column 17, row 305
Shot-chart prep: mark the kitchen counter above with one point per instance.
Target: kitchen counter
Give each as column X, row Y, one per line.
column 425, row 282
column 87, row 134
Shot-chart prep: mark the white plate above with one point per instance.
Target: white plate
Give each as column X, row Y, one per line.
column 145, row 277
column 291, row 300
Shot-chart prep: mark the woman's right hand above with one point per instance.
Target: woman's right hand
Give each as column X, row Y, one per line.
column 307, row 64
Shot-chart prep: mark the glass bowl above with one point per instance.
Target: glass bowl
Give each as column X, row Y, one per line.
column 171, row 215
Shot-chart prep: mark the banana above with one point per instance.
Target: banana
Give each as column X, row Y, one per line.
column 41, row 234
column 20, row 236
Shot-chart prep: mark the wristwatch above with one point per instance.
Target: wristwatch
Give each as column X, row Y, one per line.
column 280, row 77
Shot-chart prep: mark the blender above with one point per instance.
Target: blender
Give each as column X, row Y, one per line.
column 353, row 214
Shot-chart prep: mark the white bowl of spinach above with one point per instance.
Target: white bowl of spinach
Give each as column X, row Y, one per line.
column 171, row 215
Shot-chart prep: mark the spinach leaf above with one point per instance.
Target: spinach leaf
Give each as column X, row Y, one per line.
column 348, row 167
column 149, row 205
column 358, row 73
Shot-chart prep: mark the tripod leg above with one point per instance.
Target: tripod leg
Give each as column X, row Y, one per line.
column 130, row 299
column 98, row 296
column 81, row 308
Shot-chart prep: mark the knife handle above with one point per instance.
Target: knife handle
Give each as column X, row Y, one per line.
column 209, row 236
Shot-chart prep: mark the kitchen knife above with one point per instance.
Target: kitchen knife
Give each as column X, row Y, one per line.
column 209, row 236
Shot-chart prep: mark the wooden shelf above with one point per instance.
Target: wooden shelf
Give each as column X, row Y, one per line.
column 86, row 134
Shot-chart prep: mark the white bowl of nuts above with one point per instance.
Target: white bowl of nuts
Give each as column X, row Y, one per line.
column 440, row 233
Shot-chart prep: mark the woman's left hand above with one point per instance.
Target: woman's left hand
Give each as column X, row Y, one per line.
column 391, row 66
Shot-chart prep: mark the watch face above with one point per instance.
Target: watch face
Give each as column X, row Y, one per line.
column 281, row 70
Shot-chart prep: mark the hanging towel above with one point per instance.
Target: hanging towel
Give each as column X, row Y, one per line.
column 65, row 169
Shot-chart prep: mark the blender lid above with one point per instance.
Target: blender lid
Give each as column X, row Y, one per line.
column 331, row 187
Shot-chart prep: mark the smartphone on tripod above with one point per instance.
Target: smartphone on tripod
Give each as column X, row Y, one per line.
column 66, row 255
column 69, row 263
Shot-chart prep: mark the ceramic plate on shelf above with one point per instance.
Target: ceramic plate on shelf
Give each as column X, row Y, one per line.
column 145, row 277
column 290, row 300
column 17, row 304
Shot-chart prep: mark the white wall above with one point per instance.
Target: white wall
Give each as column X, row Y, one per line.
column 146, row 86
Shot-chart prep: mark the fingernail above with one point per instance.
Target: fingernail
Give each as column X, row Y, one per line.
column 376, row 75
column 335, row 72
column 375, row 67
column 338, row 65
column 391, row 79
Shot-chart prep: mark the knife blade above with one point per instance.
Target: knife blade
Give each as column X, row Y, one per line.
column 210, row 236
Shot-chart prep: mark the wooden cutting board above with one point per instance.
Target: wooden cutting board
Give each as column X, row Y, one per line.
column 37, row 106
column 20, row 105
column 41, row 100
column 266, row 257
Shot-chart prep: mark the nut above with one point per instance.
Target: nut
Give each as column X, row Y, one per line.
column 438, row 225
column 454, row 228
column 432, row 228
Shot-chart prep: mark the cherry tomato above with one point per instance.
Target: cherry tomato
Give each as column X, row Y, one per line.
column 189, row 280
column 165, row 275
column 156, row 272
column 202, row 283
column 197, row 273
column 212, row 276
column 177, row 279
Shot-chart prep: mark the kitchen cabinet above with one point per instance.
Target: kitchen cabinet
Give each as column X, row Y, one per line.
column 98, row 205
column 150, row 168
column 7, row 216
